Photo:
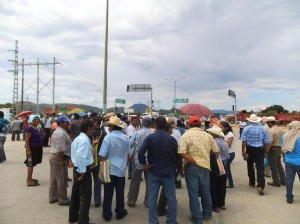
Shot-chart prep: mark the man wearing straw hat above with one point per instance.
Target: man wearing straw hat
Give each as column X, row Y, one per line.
column 255, row 142
column 274, row 153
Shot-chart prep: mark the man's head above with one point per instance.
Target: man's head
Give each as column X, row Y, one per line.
column 134, row 122
column 271, row 121
column 254, row 119
column 76, row 116
column 114, row 124
column 147, row 122
column 87, row 127
column 1, row 114
column 195, row 121
column 160, row 123
column 63, row 121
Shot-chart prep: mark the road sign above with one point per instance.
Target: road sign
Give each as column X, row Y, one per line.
column 128, row 110
column 181, row 100
column 231, row 93
column 139, row 88
column 120, row 101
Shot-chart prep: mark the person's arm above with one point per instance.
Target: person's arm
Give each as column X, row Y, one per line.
column 244, row 143
column 141, row 155
column 188, row 158
column 229, row 141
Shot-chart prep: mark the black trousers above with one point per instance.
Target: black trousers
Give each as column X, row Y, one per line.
column 81, row 198
column 218, row 190
column 256, row 155
column 47, row 136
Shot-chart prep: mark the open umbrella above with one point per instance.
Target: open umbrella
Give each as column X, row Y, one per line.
column 196, row 109
column 24, row 114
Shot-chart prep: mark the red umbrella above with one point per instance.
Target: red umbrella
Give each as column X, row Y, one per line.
column 196, row 109
column 24, row 114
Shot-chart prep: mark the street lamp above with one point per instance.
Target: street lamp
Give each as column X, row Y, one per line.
column 105, row 64
column 175, row 82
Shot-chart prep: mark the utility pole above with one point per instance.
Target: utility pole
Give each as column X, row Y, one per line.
column 22, row 89
column 105, row 63
column 38, row 80
column 15, row 84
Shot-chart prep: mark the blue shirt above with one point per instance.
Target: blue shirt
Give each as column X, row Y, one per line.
column 138, row 139
column 223, row 148
column 81, row 152
column 115, row 147
column 294, row 157
column 162, row 149
column 255, row 135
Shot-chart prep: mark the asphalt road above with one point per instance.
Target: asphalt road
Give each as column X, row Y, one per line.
column 22, row 204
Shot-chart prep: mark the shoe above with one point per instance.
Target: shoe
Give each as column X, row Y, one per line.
column 69, row 179
column 54, row 201
column 118, row 217
column 252, row 185
column 289, row 200
column 129, row 177
column 282, row 183
column 66, row 203
column 267, row 175
column 130, row 205
column 98, row 204
column 163, row 212
column 260, row 191
column 223, row 208
column 216, row 209
column 273, row 184
column 206, row 218
column 106, row 219
column 33, row 184
column 229, row 186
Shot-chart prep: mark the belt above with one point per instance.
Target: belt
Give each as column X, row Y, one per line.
column 275, row 147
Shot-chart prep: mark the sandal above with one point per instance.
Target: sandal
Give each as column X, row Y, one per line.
column 33, row 184
column 35, row 180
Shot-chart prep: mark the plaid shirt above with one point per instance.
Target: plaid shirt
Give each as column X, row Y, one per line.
column 255, row 135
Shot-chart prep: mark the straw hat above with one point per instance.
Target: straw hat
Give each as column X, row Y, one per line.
column 216, row 130
column 115, row 121
column 270, row 118
column 253, row 118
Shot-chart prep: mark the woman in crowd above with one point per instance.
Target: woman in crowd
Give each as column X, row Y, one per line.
column 34, row 148
column 218, row 182
column 229, row 136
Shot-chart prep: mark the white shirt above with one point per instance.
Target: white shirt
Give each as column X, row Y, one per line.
column 228, row 136
column 176, row 134
column 130, row 130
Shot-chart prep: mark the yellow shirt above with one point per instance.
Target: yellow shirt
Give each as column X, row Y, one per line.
column 275, row 135
column 198, row 144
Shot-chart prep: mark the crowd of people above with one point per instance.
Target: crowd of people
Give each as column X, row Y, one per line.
column 164, row 150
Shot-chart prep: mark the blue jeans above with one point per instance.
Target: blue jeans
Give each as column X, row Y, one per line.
column 290, row 173
column 154, row 183
column 227, row 168
column 2, row 152
column 198, row 182
column 97, row 185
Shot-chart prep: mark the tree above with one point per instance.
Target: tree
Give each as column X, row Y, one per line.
column 275, row 109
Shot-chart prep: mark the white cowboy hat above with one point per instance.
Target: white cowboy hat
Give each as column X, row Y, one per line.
column 216, row 130
column 270, row 118
column 253, row 118
column 115, row 121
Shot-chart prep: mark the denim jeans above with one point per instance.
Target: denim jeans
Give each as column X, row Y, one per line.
column 97, row 185
column 198, row 182
column 154, row 183
column 290, row 172
column 228, row 170
column 2, row 152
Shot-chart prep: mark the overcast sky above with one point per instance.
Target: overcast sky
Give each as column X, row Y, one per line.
column 251, row 47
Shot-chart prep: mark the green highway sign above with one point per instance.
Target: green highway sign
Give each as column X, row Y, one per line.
column 181, row 100
column 120, row 101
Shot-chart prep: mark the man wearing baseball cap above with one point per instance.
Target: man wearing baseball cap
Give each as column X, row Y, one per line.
column 195, row 148
column 60, row 148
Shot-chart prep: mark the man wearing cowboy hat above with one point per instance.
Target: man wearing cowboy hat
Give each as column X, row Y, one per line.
column 255, row 141
column 115, row 147
column 274, row 153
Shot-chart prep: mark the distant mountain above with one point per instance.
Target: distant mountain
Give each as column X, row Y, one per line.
column 221, row 111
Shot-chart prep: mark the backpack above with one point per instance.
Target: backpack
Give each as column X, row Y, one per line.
column 4, row 126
